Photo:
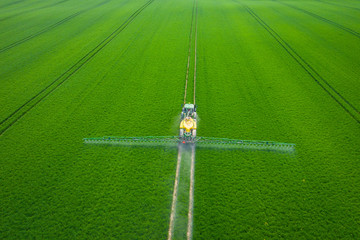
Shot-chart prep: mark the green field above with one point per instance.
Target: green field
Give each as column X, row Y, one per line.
column 278, row 70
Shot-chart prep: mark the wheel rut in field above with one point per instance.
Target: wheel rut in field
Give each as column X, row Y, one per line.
column 175, row 194
column 181, row 225
column 339, row 5
column 325, row 85
column 193, row 27
column 33, row 10
column 177, row 229
column 35, row 100
column 11, row 3
column 337, row 25
column 51, row 27
column 191, row 195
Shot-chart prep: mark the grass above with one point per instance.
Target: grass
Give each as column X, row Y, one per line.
column 259, row 68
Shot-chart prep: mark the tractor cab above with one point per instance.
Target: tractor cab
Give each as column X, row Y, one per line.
column 188, row 110
column 188, row 123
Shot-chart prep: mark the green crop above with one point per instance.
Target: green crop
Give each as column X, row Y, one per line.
column 284, row 71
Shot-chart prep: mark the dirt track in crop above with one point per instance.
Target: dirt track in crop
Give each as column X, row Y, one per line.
column 194, row 12
column 191, row 194
column 188, row 153
column 175, row 193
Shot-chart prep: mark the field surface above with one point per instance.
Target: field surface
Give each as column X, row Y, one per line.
column 278, row 70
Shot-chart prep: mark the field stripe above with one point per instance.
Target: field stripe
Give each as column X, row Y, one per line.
column 68, row 18
column 189, row 52
column 32, row 10
column 191, row 194
column 11, row 3
column 14, row 44
column 31, row 103
column 195, row 47
column 339, row 5
column 332, row 92
column 337, row 25
column 192, row 168
column 175, row 194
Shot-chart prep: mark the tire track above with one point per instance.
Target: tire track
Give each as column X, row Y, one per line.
column 194, row 15
column 191, row 194
column 195, row 48
column 32, row 10
column 337, row 25
column 14, row 44
column 180, row 148
column 331, row 91
column 12, row 3
column 51, row 27
column 175, row 194
column 32, row 102
column 339, row 5
column 189, row 52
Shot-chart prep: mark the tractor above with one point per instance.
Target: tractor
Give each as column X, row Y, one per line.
column 188, row 123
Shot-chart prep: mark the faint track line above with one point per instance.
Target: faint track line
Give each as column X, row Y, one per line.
column 32, row 102
column 332, row 92
column 339, row 5
column 189, row 232
column 195, row 48
column 189, row 52
column 12, row 3
column 192, row 164
column 175, row 193
column 352, row 32
column 68, row 18
column 32, row 10
column 14, row 44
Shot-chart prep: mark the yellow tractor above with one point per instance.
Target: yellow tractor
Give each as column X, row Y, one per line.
column 188, row 123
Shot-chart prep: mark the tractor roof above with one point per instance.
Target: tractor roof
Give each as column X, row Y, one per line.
column 189, row 105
